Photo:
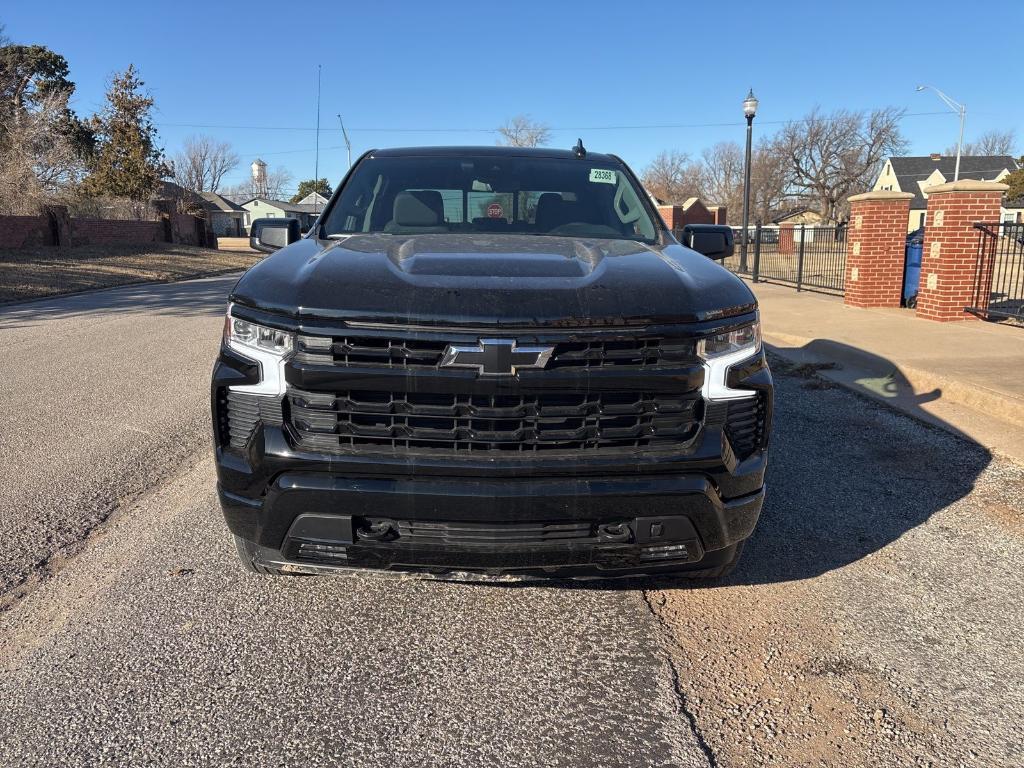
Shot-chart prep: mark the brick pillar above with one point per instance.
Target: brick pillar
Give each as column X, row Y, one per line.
column 786, row 239
column 949, row 263
column 875, row 248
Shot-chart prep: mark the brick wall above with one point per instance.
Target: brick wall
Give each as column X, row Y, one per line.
column 115, row 232
column 876, row 247
column 57, row 229
column 25, row 231
column 949, row 261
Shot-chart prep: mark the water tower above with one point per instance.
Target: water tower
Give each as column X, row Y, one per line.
column 259, row 178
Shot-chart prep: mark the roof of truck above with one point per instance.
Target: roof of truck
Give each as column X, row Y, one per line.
column 560, row 154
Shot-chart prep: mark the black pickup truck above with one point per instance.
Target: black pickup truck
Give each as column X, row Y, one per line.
column 491, row 360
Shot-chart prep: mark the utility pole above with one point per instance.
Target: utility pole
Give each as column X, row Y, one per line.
column 959, row 109
column 316, row 161
column 348, row 144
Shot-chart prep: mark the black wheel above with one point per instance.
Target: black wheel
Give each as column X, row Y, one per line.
column 247, row 554
column 719, row 571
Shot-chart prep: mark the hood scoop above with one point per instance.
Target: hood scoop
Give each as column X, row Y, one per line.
column 506, row 257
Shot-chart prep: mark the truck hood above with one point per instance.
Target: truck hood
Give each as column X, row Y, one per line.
column 492, row 280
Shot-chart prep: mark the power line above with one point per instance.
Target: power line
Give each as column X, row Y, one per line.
column 661, row 126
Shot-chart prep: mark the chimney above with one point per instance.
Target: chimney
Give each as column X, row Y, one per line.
column 935, row 156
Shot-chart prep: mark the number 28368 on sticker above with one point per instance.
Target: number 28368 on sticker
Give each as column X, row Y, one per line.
column 602, row 176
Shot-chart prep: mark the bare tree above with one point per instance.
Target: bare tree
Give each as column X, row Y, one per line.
column 671, row 177
column 829, row 157
column 203, row 163
column 521, row 131
column 721, row 175
column 39, row 161
column 989, row 143
column 279, row 187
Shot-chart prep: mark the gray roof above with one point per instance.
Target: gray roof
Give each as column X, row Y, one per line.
column 910, row 170
column 286, row 207
column 219, row 203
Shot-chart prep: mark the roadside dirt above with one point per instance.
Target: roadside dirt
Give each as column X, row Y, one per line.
column 768, row 684
column 34, row 273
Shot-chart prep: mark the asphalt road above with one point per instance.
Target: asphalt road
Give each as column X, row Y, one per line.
column 102, row 397
column 874, row 620
column 143, row 642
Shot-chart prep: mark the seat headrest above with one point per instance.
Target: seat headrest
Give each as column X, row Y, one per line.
column 418, row 209
column 551, row 211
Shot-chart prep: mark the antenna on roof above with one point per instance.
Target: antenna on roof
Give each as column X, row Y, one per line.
column 578, row 150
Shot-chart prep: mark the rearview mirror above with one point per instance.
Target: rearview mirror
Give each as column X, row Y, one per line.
column 713, row 240
column 270, row 234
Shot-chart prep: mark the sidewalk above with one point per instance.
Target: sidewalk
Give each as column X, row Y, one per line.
column 966, row 377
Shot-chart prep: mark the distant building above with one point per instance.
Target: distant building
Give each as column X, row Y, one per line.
column 226, row 218
column 917, row 174
column 798, row 216
column 690, row 211
column 265, row 208
column 314, row 198
column 223, row 217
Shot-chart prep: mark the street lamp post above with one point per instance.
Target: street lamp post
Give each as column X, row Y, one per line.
column 749, row 110
column 961, row 110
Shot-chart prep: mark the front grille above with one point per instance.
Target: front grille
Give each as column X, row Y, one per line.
column 745, row 425
column 425, row 353
column 563, row 421
column 463, row 533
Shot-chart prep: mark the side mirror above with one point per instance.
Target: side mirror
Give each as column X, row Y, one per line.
column 270, row 234
column 715, row 241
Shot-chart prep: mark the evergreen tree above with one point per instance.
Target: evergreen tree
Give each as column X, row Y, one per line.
column 309, row 186
column 127, row 163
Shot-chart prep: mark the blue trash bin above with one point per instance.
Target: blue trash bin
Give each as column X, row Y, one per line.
column 912, row 267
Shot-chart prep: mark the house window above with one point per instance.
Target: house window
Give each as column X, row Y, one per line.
column 921, row 221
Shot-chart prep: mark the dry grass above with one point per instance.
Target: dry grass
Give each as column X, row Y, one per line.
column 32, row 273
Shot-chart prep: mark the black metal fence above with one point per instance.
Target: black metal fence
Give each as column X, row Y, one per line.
column 999, row 275
column 807, row 257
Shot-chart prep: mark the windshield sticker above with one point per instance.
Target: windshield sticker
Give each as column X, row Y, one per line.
column 494, row 211
column 602, row 176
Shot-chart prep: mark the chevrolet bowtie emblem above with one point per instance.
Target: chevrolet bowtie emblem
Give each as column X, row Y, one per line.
column 496, row 357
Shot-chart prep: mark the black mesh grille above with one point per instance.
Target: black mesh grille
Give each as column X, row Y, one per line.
column 390, row 352
column 745, row 425
column 241, row 411
column 398, row 421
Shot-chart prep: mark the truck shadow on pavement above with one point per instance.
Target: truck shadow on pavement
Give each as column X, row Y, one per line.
column 847, row 475
column 189, row 298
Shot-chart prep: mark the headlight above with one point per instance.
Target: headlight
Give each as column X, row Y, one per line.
column 244, row 334
column 722, row 351
column 746, row 339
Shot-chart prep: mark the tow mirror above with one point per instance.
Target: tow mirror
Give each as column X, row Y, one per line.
column 270, row 234
column 713, row 240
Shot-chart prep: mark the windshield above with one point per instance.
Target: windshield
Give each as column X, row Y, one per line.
column 522, row 195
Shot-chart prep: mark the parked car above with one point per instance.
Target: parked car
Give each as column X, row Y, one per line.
column 491, row 360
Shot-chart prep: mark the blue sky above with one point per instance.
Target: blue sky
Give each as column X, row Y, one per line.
column 404, row 73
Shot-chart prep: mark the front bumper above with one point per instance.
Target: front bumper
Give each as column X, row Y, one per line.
column 600, row 515
column 552, row 527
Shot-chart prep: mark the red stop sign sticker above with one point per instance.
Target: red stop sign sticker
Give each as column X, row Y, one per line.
column 494, row 211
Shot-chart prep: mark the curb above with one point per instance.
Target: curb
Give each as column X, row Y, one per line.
column 997, row 404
